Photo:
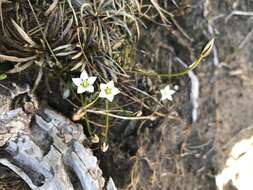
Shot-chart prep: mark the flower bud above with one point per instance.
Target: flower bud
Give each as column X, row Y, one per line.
column 104, row 147
column 207, row 49
column 94, row 139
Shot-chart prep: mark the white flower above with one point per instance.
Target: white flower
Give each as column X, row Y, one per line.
column 84, row 83
column 167, row 93
column 176, row 87
column 108, row 91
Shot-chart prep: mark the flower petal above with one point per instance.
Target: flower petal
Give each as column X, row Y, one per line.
column 163, row 97
column 91, row 80
column 90, row 89
column 172, row 92
column 110, row 97
column 115, row 91
column 169, row 97
column 110, row 84
column 102, row 94
column 167, row 88
column 77, row 81
column 81, row 90
column 84, row 75
column 103, row 86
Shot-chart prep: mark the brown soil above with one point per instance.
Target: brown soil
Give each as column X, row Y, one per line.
column 175, row 154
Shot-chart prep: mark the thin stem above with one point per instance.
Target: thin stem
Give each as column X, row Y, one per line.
column 83, row 100
column 150, row 117
column 90, row 104
column 86, row 116
column 88, row 124
column 170, row 75
column 106, row 120
column 82, row 112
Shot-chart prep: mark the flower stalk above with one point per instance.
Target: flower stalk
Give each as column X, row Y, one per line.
column 204, row 53
column 81, row 112
column 106, row 120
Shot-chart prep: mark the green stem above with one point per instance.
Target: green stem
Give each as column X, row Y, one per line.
column 83, row 100
column 170, row 75
column 86, row 116
column 91, row 103
column 106, row 120
column 88, row 124
column 81, row 112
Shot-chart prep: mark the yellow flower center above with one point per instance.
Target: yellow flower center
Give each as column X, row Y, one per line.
column 85, row 84
column 108, row 90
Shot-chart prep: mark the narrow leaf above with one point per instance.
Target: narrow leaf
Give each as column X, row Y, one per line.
column 23, row 34
column 15, row 59
column 20, row 67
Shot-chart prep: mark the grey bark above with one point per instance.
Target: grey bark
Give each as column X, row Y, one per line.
column 43, row 147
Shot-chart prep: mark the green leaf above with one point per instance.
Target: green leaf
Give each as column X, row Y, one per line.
column 3, row 76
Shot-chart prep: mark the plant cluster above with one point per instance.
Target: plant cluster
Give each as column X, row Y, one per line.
column 96, row 38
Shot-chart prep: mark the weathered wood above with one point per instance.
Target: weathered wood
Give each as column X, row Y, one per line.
column 46, row 150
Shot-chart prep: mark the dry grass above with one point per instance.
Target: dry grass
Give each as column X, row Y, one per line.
column 56, row 40
column 67, row 36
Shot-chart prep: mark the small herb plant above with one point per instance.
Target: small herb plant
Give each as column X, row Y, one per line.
column 108, row 91
column 94, row 40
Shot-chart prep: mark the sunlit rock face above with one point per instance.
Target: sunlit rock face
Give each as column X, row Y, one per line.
column 239, row 167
